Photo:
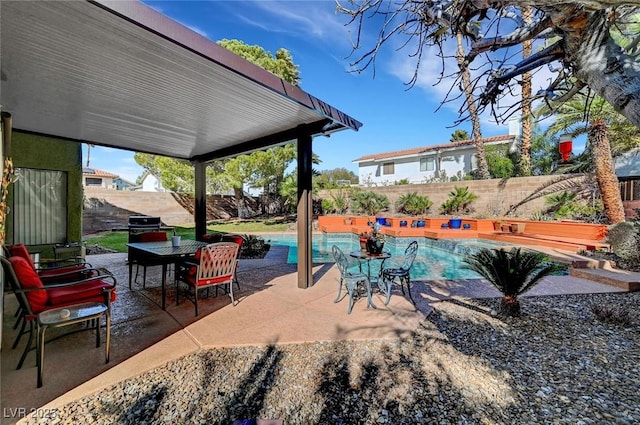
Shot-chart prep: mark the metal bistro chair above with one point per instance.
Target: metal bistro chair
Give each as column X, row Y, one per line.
column 350, row 279
column 391, row 274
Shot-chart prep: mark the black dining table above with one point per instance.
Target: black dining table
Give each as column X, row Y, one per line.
column 164, row 253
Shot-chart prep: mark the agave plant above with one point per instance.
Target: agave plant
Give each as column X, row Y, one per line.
column 512, row 272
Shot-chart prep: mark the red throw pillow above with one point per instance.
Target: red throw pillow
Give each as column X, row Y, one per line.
column 28, row 279
column 20, row 250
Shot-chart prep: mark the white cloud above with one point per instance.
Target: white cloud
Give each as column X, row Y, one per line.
column 437, row 79
column 305, row 18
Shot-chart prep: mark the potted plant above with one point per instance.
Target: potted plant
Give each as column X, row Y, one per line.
column 375, row 239
column 511, row 272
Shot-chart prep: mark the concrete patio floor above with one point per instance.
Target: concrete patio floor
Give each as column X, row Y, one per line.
column 271, row 310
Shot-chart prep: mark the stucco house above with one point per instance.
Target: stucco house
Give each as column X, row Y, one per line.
column 92, row 177
column 427, row 163
column 151, row 183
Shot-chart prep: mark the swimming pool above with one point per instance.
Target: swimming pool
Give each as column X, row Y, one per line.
column 436, row 258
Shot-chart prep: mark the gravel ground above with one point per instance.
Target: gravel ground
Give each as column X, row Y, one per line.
column 558, row 363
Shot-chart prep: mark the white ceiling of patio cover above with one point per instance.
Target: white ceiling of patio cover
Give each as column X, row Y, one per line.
column 76, row 70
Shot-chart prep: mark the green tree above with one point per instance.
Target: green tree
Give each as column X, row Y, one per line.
column 327, row 179
column 544, row 153
column 459, row 135
column 501, row 162
column 281, row 64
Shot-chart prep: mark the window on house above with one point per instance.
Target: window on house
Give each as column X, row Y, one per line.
column 388, row 168
column 427, row 164
column 39, row 206
column 93, row 181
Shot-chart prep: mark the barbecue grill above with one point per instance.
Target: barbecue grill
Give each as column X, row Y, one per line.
column 144, row 223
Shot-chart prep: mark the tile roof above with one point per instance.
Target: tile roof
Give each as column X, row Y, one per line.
column 94, row 172
column 423, row 149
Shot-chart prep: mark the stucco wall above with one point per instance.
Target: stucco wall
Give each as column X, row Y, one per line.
column 46, row 153
column 495, row 196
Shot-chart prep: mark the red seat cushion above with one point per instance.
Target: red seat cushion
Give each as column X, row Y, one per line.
column 153, row 237
column 191, row 280
column 28, row 279
column 83, row 292
column 20, row 250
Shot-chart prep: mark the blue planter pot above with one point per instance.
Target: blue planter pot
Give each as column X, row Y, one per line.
column 455, row 223
column 381, row 220
column 403, row 223
column 466, row 226
column 420, row 223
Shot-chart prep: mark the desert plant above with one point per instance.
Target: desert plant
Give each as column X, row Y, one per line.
column 617, row 315
column 625, row 239
column 561, row 204
column 340, row 201
column 253, row 247
column 511, row 272
column 413, row 204
column 369, row 203
column 327, row 206
column 459, row 201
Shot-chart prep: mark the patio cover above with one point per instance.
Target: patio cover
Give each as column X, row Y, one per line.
column 120, row 74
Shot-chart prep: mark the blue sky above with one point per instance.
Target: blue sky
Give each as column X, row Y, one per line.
column 393, row 116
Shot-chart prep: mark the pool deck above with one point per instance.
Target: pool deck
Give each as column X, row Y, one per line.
column 271, row 310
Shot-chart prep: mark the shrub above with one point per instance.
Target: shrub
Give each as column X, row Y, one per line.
column 340, row 201
column 413, row 204
column 254, row 247
column 510, row 272
column 327, row 206
column 625, row 239
column 459, row 201
column 369, row 203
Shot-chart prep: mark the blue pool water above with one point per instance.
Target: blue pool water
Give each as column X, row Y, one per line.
column 436, row 259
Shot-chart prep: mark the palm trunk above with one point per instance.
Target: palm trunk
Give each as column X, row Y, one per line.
column 483, row 167
column 510, row 306
column 605, row 172
column 525, row 141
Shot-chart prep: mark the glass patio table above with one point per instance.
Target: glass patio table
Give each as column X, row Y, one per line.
column 164, row 253
column 69, row 315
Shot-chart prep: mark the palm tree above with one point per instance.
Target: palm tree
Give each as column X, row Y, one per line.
column 510, row 272
column 524, row 165
column 483, row 167
column 571, row 118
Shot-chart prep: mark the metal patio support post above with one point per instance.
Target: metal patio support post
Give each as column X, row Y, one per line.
column 200, row 211
column 305, row 212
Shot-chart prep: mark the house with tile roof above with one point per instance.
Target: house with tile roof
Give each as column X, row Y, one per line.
column 92, row 177
column 441, row 162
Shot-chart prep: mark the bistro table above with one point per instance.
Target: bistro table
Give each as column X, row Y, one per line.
column 364, row 256
column 164, row 253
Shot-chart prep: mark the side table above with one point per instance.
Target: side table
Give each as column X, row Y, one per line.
column 70, row 315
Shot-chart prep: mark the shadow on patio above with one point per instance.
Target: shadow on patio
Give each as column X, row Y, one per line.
column 271, row 309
